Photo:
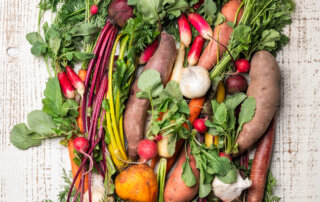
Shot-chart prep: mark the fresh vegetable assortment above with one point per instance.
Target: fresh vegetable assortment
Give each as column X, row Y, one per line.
column 181, row 129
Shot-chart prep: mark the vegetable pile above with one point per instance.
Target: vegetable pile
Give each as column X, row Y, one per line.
column 192, row 109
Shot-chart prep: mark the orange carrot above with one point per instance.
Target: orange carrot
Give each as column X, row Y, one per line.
column 75, row 167
column 82, row 74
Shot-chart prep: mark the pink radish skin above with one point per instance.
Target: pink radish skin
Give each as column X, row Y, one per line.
column 184, row 30
column 243, row 66
column 223, row 154
column 148, row 52
column 147, row 149
column 82, row 146
column 66, row 87
column 94, row 9
column 200, row 126
column 195, row 50
column 201, row 25
column 75, row 80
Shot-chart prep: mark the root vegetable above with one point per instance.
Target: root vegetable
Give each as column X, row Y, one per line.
column 66, row 86
column 175, row 189
column 148, row 52
column 264, row 87
column 199, row 125
column 94, row 9
column 147, row 149
column 119, row 11
column 201, row 25
column 75, row 80
column 221, row 92
column 195, row 82
column 137, row 183
column 136, row 109
column 230, row 192
column 223, row 154
column 236, row 83
column 178, row 68
column 222, row 33
column 195, row 50
column 184, row 30
column 242, row 65
column 260, row 165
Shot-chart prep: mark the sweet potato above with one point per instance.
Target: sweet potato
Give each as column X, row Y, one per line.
column 264, row 87
column 222, row 33
column 136, row 109
column 175, row 189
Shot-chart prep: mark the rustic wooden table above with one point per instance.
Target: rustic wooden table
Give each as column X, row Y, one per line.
column 35, row 174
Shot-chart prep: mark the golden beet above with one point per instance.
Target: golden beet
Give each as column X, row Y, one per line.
column 137, row 183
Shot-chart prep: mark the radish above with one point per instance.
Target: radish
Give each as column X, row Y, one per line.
column 184, row 30
column 94, row 9
column 199, row 125
column 201, row 25
column 158, row 138
column 195, row 50
column 75, row 80
column 147, row 149
column 242, row 66
column 82, row 146
column 66, row 87
column 148, row 52
column 223, row 154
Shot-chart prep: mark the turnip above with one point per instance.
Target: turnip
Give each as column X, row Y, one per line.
column 236, row 83
column 147, row 149
column 199, row 125
column 66, row 86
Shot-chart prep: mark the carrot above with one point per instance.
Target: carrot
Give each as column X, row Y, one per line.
column 75, row 167
column 222, row 33
column 260, row 165
column 82, row 74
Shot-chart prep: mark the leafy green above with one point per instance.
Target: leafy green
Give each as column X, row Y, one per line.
column 110, row 171
column 268, row 193
column 209, row 11
column 150, row 84
column 41, row 123
column 187, row 175
column 23, row 138
column 67, row 178
column 224, row 121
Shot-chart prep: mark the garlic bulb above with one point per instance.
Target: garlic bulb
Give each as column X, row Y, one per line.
column 195, row 82
column 98, row 190
column 229, row 192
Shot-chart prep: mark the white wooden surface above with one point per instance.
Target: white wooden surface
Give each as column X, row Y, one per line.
column 35, row 174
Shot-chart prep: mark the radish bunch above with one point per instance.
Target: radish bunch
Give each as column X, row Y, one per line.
column 69, row 81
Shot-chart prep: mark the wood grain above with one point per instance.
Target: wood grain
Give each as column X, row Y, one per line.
column 35, row 174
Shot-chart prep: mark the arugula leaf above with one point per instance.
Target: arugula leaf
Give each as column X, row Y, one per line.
column 247, row 112
column 187, row 175
column 23, row 138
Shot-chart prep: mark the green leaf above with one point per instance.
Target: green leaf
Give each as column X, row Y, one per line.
column 176, row 7
column 269, row 39
column 172, row 90
column 54, row 99
column 233, row 101
column 172, row 144
column 54, row 44
column 41, row 123
column 187, row 175
column 83, row 55
column 38, row 49
column 84, row 30
column 243, row 34
column 150, row 82
column 23, row 138
column 221, row 114
column 230, row 177
column 248, row 108
column 34, row 37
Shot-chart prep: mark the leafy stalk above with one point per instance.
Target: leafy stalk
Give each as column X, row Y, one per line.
column 161, row 178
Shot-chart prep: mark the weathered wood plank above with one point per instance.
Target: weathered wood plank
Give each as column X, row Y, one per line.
column 35, row 174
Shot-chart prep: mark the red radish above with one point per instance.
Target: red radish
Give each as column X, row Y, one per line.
column 66, row 87
column 119, row 11
column 197, row 5
column 82, row 146
column 184, row 30
column 242, row 65
column 75, row 80
column 148, row 52
column 147, row 149
column 201, row 25
column 195, row 50
column 158, row 138
column 223, row 154
column 200, row 126
column 94, row 9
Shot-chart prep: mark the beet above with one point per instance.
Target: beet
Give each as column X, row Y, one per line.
column 236, row 83
column 119, row 12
